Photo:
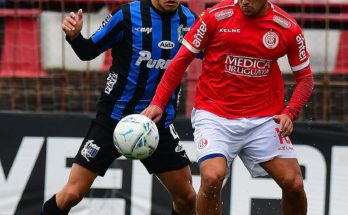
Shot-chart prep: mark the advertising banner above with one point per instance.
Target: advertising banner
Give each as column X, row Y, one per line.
column 36, row 152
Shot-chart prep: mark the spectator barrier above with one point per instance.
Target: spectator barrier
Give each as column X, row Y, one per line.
column 37, row 150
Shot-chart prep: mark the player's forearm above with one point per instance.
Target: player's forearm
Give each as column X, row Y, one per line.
column 172, row 77
column 300, row 95
column 85, row 49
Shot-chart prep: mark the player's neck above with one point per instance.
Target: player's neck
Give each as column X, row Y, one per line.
column 264, row 10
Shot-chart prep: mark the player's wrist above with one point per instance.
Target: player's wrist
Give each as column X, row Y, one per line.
column 73, row 38
column 158, row 104
column 289, row 113
column 158, row 108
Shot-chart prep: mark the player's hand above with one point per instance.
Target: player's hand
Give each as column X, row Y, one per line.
column 72, row 24
column 285, row 124
column 153, row 112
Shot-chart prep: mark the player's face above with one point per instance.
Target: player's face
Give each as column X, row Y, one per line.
column 253, row 7
column 166, row 5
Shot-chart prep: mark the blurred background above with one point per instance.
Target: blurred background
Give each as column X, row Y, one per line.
column 48, row 96
column 39, row 71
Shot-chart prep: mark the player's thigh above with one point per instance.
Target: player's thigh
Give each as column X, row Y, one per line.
column 283, row 170
column 263, row 144
column 169, row 155
column 216, row 137
column 97, row 150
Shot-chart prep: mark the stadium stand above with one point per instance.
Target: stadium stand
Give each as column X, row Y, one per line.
column 34, row 56
column 21, row 47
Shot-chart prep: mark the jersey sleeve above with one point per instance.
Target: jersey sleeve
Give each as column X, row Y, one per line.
column 110, row 31
column 200, row 33
column 298, row 55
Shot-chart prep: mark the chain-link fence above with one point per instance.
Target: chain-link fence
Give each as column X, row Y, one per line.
column 40, row 72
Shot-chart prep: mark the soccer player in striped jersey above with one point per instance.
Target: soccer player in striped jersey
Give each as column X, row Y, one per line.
column 144, row 36
column 239, row 106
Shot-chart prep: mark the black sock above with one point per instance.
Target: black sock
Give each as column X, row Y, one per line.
column 50, row 207
column 174, row 213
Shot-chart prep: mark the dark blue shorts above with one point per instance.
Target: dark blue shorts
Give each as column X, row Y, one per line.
column 97, row 151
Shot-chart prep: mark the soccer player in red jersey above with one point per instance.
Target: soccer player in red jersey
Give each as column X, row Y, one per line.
column 239, row 106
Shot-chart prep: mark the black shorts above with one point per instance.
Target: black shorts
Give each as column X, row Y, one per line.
column 97, row 151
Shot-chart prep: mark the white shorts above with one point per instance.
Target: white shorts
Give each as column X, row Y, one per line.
column 254, row 140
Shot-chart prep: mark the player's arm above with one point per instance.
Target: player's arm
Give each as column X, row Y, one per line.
column 302, row 92
column 169, row 82
column 88, row 49
column 176, row 69
column 298, row 57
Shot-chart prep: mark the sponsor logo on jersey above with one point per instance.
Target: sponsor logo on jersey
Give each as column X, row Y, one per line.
column 90, row 150
column 145, row 56
column 182, row 31
column 179, row 148
column 270, row 40
column 224, row 14
column 166, row 44
column 198, row 37
column 282, row 21
column 202, row 143
column 301, row 47
column 106, row 20
column 146, row 30
column 110, row 82
column 247, row 66
column 229, row 30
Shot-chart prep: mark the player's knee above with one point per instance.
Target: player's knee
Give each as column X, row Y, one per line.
column 293, row 184
column 211, row 183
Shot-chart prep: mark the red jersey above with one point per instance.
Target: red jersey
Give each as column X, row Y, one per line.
column 240, row 75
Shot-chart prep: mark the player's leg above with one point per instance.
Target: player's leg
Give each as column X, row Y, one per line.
column 275, row 154
column 79, row 183
column 171, row 165
column 213, row 172
column 179, row 185
column 218, row 141
column 95, row 155
column 287, row 173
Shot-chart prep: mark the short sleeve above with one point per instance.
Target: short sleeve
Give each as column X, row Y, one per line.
column 298, row 55
column 200, row 33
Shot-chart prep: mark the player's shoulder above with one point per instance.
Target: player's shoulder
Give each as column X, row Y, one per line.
column 187, row 11
column 220, row 11
column 122, row 8
column 284, row 19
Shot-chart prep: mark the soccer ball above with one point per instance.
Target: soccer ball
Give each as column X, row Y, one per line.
column 136, row 136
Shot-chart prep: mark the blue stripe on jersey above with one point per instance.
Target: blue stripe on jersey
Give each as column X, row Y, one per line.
column 133, row 75
column 106, row 29
column 155, row 54
column 189, row 15
column 134, row 90
column 170, row 109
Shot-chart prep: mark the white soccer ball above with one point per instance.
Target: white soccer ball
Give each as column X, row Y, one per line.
column 136, row 136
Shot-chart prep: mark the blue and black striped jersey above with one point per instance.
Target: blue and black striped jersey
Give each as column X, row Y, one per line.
column 143, row 42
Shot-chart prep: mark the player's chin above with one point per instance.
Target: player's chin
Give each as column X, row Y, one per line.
column 171, row 6
column 169, row 9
